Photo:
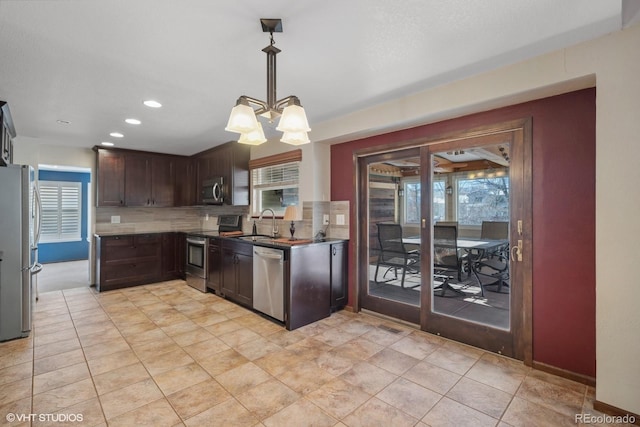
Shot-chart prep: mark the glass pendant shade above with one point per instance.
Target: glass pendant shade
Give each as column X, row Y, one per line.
column 255, row 137
column 295, row 138
column 242, row 119
column 293, row 119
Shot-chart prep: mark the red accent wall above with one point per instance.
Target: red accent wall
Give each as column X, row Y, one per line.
column 563, row 217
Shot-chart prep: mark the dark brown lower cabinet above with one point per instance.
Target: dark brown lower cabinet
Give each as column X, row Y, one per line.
column 168, row 262
column 237, row 271
column 181, row 253
column 339, row 291
column 316, row 282
column 214, row 273
column 314, row 277
column 129, row 260
column 138, row 259
column 308, row 291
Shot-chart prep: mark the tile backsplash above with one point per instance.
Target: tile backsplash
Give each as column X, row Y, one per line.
column 313, row 214
column 155, row 220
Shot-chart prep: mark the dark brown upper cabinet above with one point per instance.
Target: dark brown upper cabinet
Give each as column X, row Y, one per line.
column 110, row 183
column 149, row 180
column 139, row 178
column 135, row 178
column 185, row 188
column 231, row 162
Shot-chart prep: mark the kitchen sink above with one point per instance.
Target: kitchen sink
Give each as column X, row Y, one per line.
column 258, row 238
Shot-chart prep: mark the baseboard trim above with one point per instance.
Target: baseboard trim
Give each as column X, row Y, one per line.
column 605, row 408
column 582, row 379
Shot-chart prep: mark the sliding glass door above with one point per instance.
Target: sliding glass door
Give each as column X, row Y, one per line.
column 445, row 236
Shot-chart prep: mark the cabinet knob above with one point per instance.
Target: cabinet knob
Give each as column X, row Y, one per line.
column 334, row 250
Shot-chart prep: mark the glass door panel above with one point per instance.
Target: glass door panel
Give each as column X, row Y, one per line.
column 476, row 203
column 470, row 244
column 392, row 208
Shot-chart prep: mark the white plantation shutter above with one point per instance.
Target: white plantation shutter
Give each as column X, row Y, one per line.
column 61, row 210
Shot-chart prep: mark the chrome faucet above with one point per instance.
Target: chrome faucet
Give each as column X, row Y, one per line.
column 274, row 229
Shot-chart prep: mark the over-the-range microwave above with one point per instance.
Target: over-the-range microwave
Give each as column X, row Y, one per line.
column 213, row 191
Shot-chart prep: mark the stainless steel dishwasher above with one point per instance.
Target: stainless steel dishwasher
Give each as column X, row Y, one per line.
column 268, row 281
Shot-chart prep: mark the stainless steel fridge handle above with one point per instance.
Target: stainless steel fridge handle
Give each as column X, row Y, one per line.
column 37, row 268
column 38, row 212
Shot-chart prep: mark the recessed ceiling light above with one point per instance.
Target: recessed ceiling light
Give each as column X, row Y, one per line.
column 63, row 122
column 108, row 144
column 152, row 104
column 116, row 134
column 133, row 121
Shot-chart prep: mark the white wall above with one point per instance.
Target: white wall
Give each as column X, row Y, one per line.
column 613, row 64
column 32, row 151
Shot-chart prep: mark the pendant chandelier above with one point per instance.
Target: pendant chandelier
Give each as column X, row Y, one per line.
column 293, row 120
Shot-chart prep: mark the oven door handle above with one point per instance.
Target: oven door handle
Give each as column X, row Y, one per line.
column 196, row 242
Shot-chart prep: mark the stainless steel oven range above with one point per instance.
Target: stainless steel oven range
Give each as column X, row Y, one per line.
column 196, row 268
column 197, row 251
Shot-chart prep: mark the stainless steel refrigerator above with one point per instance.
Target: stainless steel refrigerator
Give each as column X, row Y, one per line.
column 19, row 235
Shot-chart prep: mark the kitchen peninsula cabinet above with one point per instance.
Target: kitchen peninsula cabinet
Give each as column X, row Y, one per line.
column 314, row 276
column 309, row 287
column 315, row 281
column 338, row 275
column 237, row 271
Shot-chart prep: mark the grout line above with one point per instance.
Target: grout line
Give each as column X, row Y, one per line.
column 309, row 334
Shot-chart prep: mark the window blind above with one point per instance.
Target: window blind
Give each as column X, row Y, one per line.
column 61, row 210
column 275, row 187
column 285, row 175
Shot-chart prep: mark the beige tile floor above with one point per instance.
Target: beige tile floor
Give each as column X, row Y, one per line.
column 166, row 355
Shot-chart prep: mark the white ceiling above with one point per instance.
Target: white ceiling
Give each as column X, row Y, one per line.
column 92, row 63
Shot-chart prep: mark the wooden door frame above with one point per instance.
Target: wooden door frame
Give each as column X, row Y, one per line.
column 523, row 345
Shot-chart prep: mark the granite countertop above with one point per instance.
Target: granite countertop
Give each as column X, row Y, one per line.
column 279, row 242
